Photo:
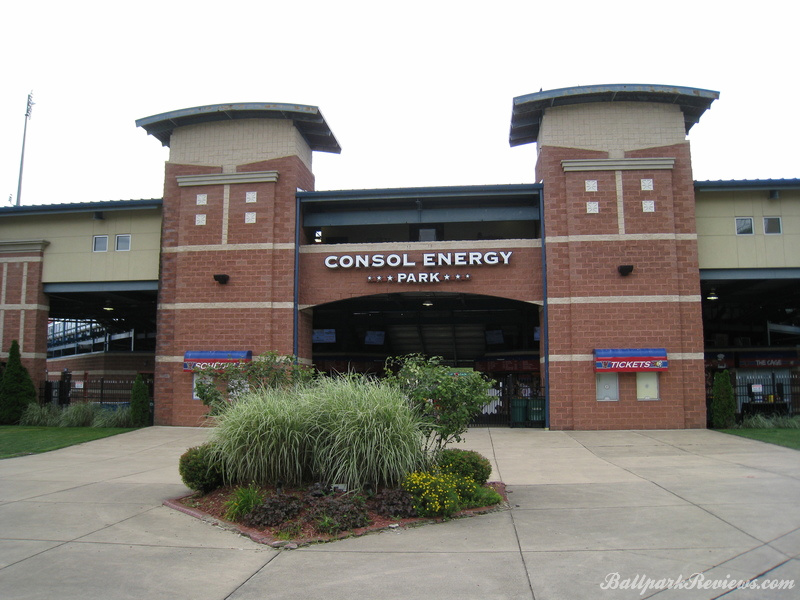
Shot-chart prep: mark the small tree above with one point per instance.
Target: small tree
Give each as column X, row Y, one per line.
column 723, row 402
column 16, row 388
column 217, row 388
column 446, row 401
column 140, row 403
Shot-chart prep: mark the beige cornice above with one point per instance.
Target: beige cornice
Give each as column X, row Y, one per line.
column 227, row 178
column 23, row 245
column 617, row 164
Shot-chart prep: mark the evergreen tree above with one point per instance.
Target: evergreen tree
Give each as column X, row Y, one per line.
column 140, row 403
column 723, row 402
column 16, row 388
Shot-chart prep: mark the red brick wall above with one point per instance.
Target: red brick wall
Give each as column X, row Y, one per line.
column 24, row 309
column 587, row 267
column 253, row 310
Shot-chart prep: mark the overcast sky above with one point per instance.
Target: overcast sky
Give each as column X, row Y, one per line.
column 417, row 93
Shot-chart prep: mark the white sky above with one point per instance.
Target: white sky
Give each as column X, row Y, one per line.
column 417, row 93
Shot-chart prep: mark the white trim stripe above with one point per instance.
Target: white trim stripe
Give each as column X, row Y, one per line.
column 25, row 307
column 623, row 299
column 630, row 237
column 227, row 178
column 590, row 357
column 222, row 305
column 232, row 247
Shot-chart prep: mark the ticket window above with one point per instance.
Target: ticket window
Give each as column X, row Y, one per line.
column 647, row 385
column 607, row 387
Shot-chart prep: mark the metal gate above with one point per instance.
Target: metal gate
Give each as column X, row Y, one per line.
column 516, row 401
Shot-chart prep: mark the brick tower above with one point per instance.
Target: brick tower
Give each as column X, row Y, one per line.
column 624, row 323
column 229, row 236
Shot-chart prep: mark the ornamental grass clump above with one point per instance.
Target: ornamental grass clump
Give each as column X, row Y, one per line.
column 344, row 430
column 266, row 437
column 364, row 432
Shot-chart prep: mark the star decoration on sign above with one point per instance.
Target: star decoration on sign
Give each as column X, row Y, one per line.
column 389, row 278
column 447, row 277
column 369, row 278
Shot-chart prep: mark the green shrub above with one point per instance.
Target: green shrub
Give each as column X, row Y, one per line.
column 16, row 388
column 140, row 403
column 723, row 402
column 219, row 389
column 113, row 416
column 482, row 496
column 244, row 500
column 446, row 403
column 79, row 414
column 44, row 415
column 275, row 510
column 198, row 469
column 466, row 463
column 435, row 493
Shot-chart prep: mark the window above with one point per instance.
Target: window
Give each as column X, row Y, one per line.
column 647, row 385
column 123, row 242
column 744, row 225
column 100, row 243
column 607, row 387
column 772, row 225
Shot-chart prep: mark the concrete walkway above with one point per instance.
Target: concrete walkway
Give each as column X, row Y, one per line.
column 87, row 523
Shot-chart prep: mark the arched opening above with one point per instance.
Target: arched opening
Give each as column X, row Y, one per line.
column 497, row 336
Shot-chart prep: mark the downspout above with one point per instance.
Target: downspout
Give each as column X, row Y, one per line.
column 545, row 328
column 295, row 302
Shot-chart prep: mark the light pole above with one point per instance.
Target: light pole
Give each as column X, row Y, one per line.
column 28, row 110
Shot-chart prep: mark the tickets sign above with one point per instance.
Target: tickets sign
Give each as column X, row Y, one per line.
column 633, row 360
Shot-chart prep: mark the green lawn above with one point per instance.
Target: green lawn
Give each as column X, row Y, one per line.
column 18, row 440
column 782, row 437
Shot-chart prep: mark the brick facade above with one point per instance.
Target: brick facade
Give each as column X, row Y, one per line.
column 24, row 307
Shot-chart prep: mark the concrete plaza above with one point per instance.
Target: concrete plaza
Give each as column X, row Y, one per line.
column 590, row 513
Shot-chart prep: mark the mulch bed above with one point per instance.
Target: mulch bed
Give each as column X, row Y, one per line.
column 211, row 508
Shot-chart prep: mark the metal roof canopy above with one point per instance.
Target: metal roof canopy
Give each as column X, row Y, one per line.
column 85, row 207
column 451, row 204
column 308, row 120
column 528, row 110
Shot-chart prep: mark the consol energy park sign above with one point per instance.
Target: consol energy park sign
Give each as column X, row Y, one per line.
column 443, row 266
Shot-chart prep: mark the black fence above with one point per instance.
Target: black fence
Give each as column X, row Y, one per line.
column 768, row 394
column 102, row 390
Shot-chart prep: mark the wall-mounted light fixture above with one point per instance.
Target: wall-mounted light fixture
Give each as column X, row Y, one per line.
column 107, row 306
column 98, row 215
column 625, row 270
column 712, row 295
column 427, row 303
column 774, row 195
column 222, row 278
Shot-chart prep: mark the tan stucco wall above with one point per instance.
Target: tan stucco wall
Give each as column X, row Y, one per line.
column 721, row 248
column 69, row 256
column 232, row 143
column 613, row 127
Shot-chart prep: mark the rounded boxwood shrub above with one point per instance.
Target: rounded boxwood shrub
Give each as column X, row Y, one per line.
column 198, row 470
column 466, row 463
